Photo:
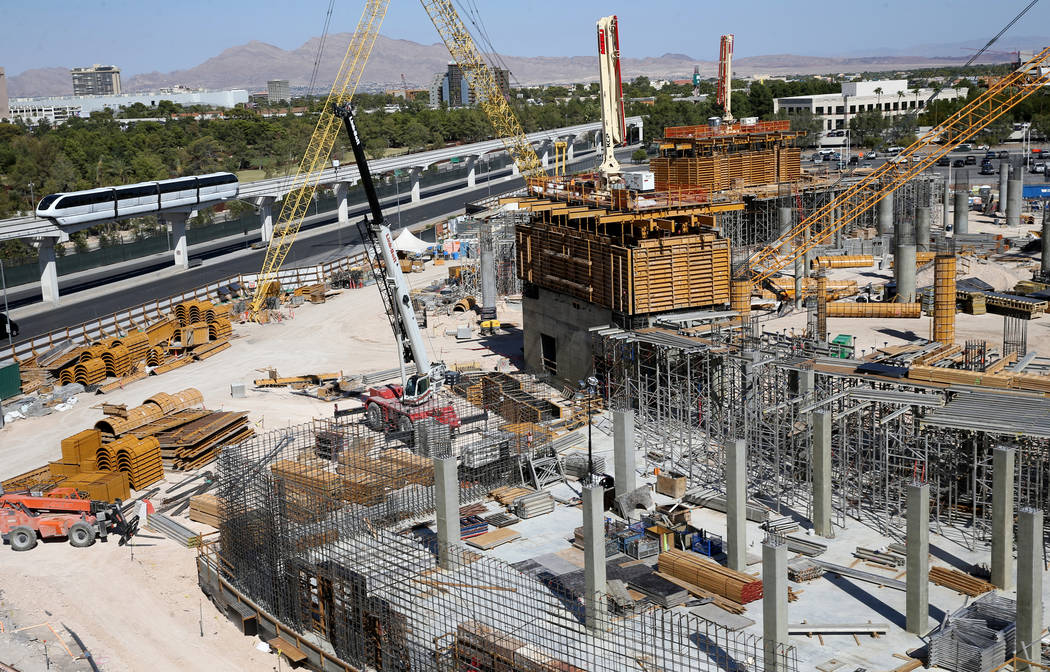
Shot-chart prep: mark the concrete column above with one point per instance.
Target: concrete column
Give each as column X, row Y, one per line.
column 266, row 217
column 514, row 169
column 342, row 202
column 1044, row 265
column 1029, row 585
column 917, row 580
column 904, row 263
column 922, row 228
column 835, row 214
column 736, row 504
column 545, row 157
column 1004, row 176
column 446, row 501
column 48, row 270
column 471, row 173
column 962, row 212
column 487, row 265
column 885, row 223
column 799, row 263
column 177, row 221
column 416, row 173
column 784, row 218
column 594, row 556
column 568, row 151
column 822, row 474
column 774, row 603
column 946, row 214
column 1013, row 201
column 1003, row 517
column 623, row 452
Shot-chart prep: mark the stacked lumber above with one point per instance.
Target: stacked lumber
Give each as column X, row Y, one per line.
column 709, row 575
column 310, row 492
column 205, row 508
column 507, row 494
column 197, row 442
column 960, row 582
column 479, row 646
column 533, row 504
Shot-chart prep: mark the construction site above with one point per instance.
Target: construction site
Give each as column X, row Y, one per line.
column 719, row 412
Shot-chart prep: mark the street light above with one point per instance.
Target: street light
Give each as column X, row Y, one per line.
column 32, row 197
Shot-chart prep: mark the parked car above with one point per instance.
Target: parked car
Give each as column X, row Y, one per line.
column 1003, row 154
column 840, row 165
column 944, row 162
column 853, row 160
column 815, row 158
column 958, row 163
column 984, row 147
column 1039, row 166
column 8, row 327
column 987, row 168
column 872, row 155
column 971, row 160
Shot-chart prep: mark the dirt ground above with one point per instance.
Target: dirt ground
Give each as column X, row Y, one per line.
column 140, row 608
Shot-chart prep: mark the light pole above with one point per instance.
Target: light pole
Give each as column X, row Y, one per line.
column 32, row 198
column 7, row 311
column 338, row 224
column 397, row 192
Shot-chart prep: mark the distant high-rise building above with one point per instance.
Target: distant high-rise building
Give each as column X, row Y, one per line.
column 452, row 87
column 98, row 80
column 5, row 109
column 277, row 90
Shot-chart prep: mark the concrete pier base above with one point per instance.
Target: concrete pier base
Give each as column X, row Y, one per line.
column 736, row 505
column 1003, row 517
column 595, row 587
column 623, row 452
column 822, row 474
column 918, row 559
column 446, row 500
column 774, row 605
column 1029, row 585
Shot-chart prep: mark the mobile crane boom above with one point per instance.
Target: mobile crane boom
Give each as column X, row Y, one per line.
column 418, row 387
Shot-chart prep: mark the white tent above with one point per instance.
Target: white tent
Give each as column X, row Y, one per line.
column 406, row 242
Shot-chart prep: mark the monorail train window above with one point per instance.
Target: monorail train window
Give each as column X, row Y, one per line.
column 91, row 198
column 178, row 185
column 217, row 179
column 137, row 192
column 46, row 201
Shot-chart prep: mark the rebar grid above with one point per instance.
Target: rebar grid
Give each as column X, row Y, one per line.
column 301, row 538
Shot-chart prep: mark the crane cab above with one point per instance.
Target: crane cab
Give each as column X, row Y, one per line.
column 417, row 390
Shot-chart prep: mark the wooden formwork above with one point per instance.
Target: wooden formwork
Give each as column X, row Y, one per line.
column 653, row 275
column 729, row 171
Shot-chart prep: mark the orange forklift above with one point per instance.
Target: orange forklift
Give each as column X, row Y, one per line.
column 61, row 512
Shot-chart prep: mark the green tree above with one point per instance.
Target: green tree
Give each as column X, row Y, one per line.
column 639, row 155
column 867, row 128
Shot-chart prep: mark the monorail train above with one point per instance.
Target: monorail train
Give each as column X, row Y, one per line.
column 96, row 205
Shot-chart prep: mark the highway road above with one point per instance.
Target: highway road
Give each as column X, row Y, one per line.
column 221, row 262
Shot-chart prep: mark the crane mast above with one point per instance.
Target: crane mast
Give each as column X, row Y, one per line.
column 614, row 128
column 724, row 96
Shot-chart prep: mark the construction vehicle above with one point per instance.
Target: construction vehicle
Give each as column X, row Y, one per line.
column 62, row 512
column 614, row 126
column 724, row 93
column 395, row 407
column 319, row 150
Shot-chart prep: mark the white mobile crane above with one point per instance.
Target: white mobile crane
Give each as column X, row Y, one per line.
column 396, row 407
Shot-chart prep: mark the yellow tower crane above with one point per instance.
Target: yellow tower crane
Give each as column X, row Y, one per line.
column 318, row 151
column 460, row 44
column 861, row 196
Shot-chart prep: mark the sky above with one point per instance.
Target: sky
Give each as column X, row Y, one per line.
column 147, row 35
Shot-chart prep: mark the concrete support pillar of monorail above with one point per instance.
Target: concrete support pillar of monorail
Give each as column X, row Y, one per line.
column 885, row 222
column 568, row 149
column 342, row 202
column 48, row 269
column 416, row 174
column 180, row 250
column 962, row 212
column 265, row 205
column 472, row 163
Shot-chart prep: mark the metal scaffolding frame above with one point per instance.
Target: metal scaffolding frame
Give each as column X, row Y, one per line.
column 697, row 389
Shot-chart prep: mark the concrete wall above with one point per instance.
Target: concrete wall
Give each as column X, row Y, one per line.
column 567, row 320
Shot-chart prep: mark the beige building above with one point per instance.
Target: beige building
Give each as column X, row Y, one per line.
column 891, row 96
column 98, row 80
column 5, row 108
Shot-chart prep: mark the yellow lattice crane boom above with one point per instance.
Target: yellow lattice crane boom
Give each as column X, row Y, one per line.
column 861, row 196
column 319, row 150
column 482, row 80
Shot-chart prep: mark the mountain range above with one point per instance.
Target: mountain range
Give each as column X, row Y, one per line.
column 251, row 65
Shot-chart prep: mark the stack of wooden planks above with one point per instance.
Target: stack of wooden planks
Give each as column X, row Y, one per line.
column 960, row 582
column 507, row 494
column 206, row 508
column 709, row 575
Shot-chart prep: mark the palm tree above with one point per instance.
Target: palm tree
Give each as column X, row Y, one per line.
column 900, row 97
column 878, row 92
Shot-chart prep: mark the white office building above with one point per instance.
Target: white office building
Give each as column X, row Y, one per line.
column 56, row 109
column 891, row 96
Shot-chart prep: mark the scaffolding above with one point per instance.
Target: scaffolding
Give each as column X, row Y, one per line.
column 694, row 390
